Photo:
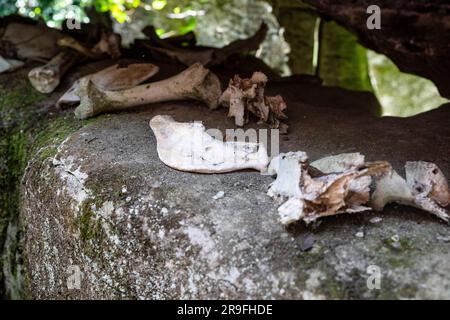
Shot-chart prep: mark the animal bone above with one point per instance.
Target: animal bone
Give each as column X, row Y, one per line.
column 425, row 178
column 31, row 41
column 327, row 194
column 9, row 64
column 210, row 56
column 112, row 78
column 187, row 147
column 425, row 187
column 339, row 163
column 288, row 168
column 46, row 78
column 108, row 44
column 196, row 83
column 244, row 96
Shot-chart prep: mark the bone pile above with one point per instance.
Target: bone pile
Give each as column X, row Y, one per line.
column 343, row 183
column 246, row 96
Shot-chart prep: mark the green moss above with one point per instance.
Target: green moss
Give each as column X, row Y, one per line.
column 343, row 61
column 25, row 132
column 18, row 101
column 90, row 228
column 299, row 23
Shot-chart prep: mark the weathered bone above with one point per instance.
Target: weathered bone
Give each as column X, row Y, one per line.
column 339, row 163
column 425, row 187
column 112, row 78
column 330, row 193
column 195, row 83
column 244, row 96
column 29, row 41
column 187, row 147
column 288, row 168
column 211, row 56
column 46, row 78
column 109, row 44
column 425, row 178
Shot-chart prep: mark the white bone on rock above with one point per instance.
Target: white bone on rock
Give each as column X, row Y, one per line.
column 188, row 147
column 288, row 168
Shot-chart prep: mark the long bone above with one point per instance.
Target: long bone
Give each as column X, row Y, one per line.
column 111, row 78
column 196, row 83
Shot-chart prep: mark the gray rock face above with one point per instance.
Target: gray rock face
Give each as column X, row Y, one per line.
column 106, row 211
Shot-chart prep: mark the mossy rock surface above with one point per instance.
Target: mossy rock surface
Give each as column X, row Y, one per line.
column 92, row 196
column 99, row 204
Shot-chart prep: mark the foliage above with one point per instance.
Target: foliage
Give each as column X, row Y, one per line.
column 401, row 94
column 216, row 22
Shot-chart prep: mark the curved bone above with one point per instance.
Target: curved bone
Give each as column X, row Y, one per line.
column 112, row 78
column 195, row 83
column 187, row 147
column 46, row 78
column 210, row 56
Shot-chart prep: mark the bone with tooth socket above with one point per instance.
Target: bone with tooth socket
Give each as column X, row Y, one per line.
column 188, row 147
column 112, row 78
column 196, row 83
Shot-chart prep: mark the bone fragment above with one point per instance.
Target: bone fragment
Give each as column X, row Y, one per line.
column 46, row 78
column 8, row 65
column 425, row 187
column 187, row 147
column 30, row 41
column 425, row 178
column 288, row 168
column 208, row 56
column 195, row 83
column 109, row 44
column 339, row 163
column 246, row 96
column 343, row 187
column 112, row 78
